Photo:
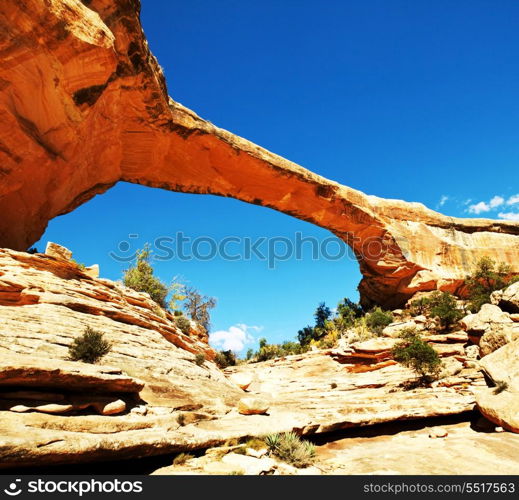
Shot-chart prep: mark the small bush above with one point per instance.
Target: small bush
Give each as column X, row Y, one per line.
column 500, row 387
column 78, row 264
column 224, row 359
column 199, row 359
column 333, row 385
column 89, row 347
column 445, row 308
column 378, row 319
column 181, row 419
column 182, row 458
column 487, row 277
column 141, row 279
column 420, row 306
column 418, row 355
column 292, row 449
column 184, row 324
column 177, row 313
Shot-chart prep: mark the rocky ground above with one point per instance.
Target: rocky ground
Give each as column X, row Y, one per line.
column 149, row 396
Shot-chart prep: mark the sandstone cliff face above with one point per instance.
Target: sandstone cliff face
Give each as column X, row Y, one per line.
column 46, row 302
column 55, row 411
column 83, row 105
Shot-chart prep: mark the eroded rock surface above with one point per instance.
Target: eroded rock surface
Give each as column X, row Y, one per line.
column 84, row 104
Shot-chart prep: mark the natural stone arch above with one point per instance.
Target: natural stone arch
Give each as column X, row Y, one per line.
column 83, row 105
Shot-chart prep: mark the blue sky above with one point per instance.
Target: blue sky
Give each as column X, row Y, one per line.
column 415, row 100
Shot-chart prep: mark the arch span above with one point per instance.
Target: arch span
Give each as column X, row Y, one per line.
column 84, row 104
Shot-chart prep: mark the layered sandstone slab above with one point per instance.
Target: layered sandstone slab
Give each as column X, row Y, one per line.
column 47, row 302
column 83, row 105
column 31, row 371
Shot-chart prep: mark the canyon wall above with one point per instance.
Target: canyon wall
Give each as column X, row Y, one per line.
column 84, row 104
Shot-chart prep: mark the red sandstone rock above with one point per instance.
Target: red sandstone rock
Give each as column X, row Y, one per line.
column 84, row 104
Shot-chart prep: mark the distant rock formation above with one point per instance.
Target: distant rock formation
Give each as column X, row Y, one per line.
column 84, row 104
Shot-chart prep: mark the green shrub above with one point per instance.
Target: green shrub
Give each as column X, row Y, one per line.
column 199, row 359
column 500, row 387
column 78, row 264
column 292, row 449
column 198, row 306
column 378, row 319
column 184, row 324
column 224, row 359
column 305, row 335
column 348, row 312
column 420, row 306
column 418, row 355
column 444, row 307
column 487, row 277
column 141, row 279
column 182, row 458
column 177, row 313
column 89, row 347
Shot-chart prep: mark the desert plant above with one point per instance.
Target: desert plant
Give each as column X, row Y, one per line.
column 333, row 385
column 420, row 306
column 291, row 448
column 377, row 319
column 348, row 311
column 305, row 335
column 322, row 313
column 78, row 264
column 487, row 277
column 500, row 387
column 182, row 458
column 198, row 306
column 418, row 355
column 140, row 278
column 184, row 324
column 224, row 359
column 445, row 308
column 181, row 419
column 89, row 347
column 177, row 313
column 199, row 359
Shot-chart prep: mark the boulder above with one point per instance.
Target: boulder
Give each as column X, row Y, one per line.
column 92, row 271
column 395, row 329
column 497, row 336
column 472, row 352
column 503, row 365
column 502, row 408
column 253, row 406
column 242, row 380
column 509, row 299
column 57, row 251
column 480, row 322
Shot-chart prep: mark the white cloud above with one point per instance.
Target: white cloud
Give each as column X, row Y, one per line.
column 479, row 208
column 513, row 199
column 235, row 338
column 509, row 216
column 444, row 199
column 496, row 201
